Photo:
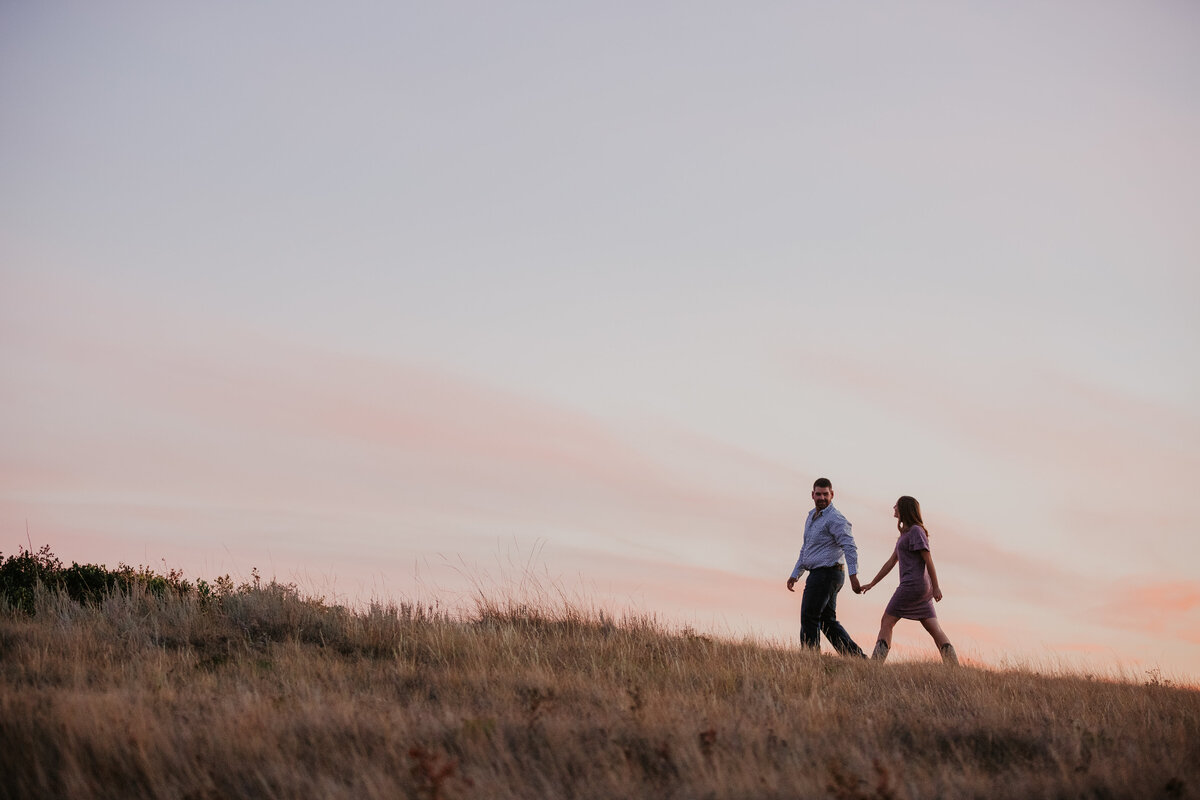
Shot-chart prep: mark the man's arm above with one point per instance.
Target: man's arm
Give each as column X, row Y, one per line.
column 797, row 571
column 840, row 528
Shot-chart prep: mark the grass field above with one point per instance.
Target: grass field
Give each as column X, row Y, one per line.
column 257, row 691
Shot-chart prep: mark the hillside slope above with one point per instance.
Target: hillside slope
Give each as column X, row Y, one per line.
column 256, row 691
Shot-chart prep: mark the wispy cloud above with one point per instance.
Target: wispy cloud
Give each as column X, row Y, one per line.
column 149, row 415
column 1081, row 464
column 136, row 435
column 1167, row 608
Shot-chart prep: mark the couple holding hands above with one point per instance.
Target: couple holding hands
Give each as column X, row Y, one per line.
column 827, row 542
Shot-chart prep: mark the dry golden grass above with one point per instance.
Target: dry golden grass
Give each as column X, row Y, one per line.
column 264, row 693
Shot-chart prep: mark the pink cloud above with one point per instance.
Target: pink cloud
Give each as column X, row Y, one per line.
column 1053, row 422
column 154, row 429
column 1087, row 648
column 1170, row 608
column 426, row 426
column 133, row 436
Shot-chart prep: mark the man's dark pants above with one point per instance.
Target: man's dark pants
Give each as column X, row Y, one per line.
column 818, row 611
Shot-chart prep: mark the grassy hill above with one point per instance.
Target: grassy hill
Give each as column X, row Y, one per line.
column 147, row 686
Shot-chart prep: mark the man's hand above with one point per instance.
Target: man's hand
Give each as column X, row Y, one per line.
column 854, row 584
column 791, row 583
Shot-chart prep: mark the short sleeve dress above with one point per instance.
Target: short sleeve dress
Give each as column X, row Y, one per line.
column 913, row 598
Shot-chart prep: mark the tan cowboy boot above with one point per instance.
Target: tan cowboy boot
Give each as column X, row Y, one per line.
column 948, row 654
column 881, row 651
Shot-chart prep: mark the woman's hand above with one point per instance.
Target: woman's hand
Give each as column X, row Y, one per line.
column 867, row 586
column 937, row 594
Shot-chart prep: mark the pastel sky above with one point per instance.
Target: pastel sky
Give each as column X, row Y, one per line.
column 412, row 300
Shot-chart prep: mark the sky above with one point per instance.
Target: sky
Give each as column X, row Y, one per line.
column 417, row 301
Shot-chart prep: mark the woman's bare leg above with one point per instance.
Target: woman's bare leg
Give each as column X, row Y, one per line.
column 884, row 643
column 935, row 630
column 886, row 623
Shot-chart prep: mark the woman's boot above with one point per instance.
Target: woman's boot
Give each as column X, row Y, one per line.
column 948, row 654
column 881, row 651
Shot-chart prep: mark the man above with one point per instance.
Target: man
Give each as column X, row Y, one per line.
column 827, row 544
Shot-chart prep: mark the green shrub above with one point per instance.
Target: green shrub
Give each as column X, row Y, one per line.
column 21, row 574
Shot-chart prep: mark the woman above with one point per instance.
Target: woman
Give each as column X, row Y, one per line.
column 918, row 587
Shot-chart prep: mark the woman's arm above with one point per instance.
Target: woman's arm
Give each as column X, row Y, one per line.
column 883, row 571
column 928, row 557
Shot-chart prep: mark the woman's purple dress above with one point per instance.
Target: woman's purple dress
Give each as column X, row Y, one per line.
column 913, row 598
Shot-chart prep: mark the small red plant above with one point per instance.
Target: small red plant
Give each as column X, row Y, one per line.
column 432, row 770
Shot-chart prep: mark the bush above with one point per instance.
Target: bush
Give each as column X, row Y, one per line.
column 21, row 574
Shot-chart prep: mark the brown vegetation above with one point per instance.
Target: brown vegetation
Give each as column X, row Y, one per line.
column 256, row 691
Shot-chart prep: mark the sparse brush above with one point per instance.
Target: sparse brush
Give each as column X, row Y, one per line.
column 253, row 689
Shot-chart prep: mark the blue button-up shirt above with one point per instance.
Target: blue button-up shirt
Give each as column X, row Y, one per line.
column 827, row 541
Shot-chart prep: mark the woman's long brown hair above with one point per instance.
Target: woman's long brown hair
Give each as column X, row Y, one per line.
column 910, row 514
